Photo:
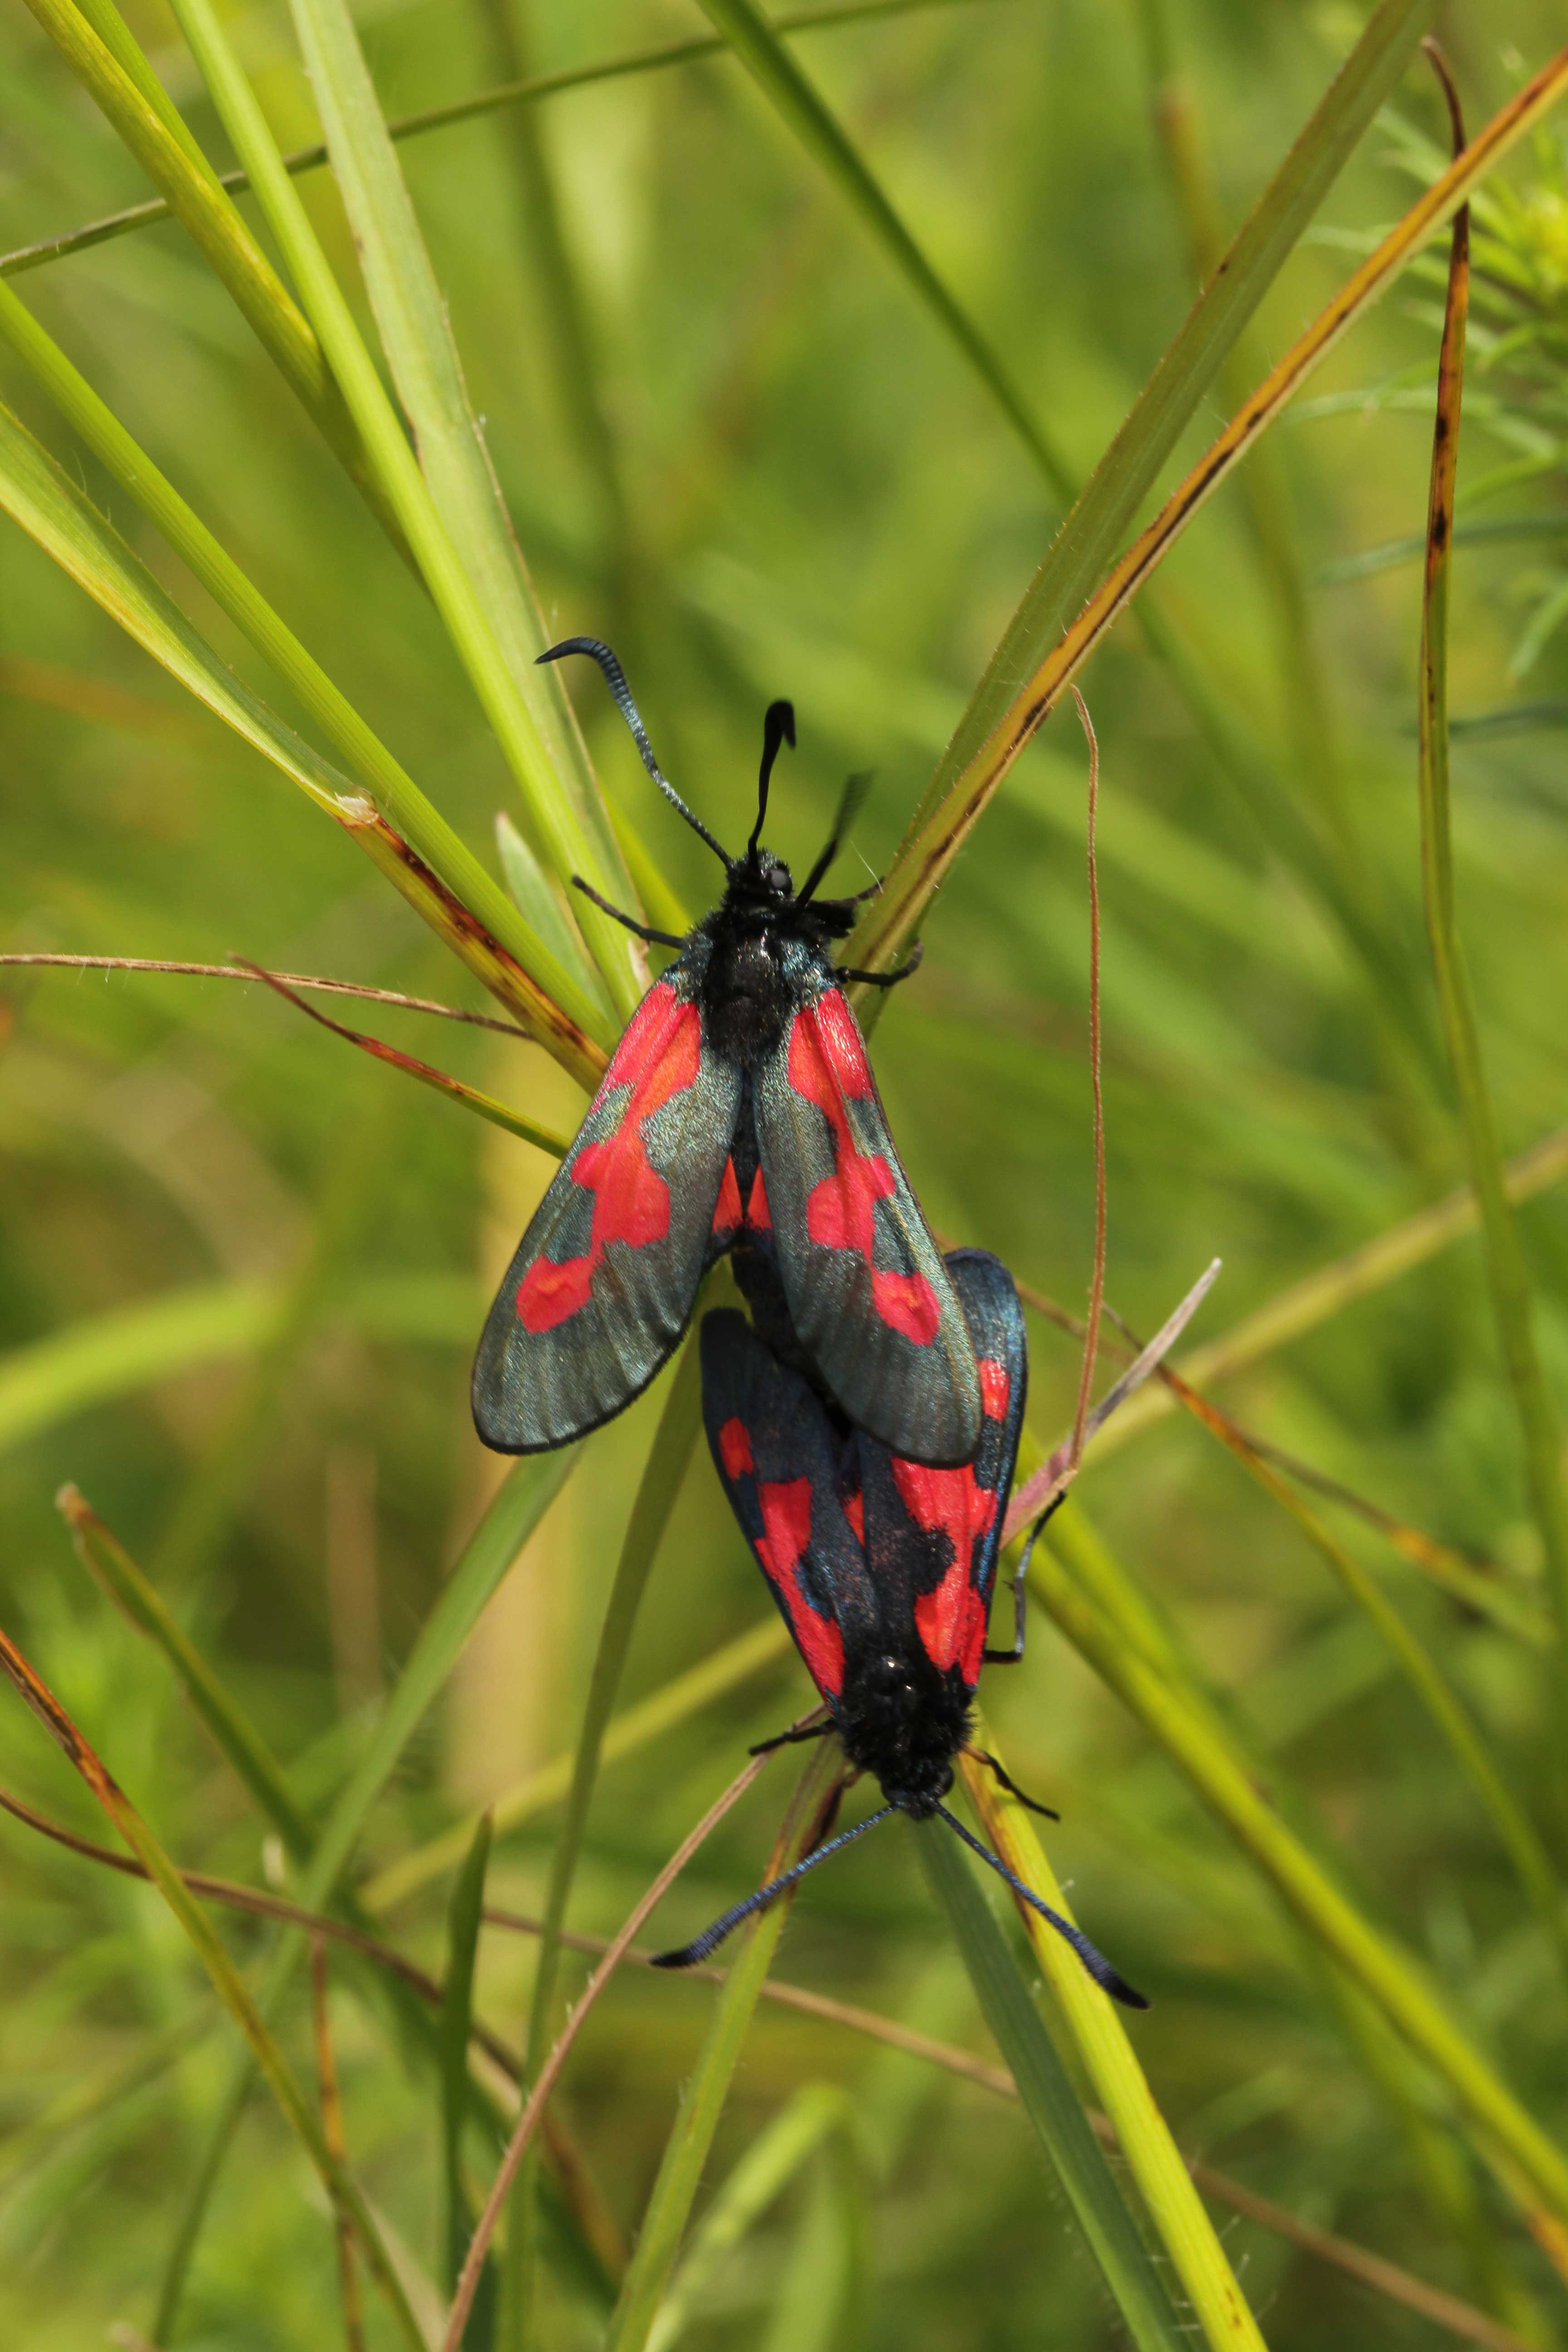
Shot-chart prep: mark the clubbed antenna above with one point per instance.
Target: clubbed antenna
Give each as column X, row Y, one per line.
column 855, row 790
column 1094, row 1960
column 616, row 679
column 712, row 1938
column 778, row 727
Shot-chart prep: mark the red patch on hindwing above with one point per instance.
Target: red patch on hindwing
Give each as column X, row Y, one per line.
column 996, row 1389
column 735, row 1448
column 727, row 1210
column 657, row 1057
column 827, row 1066
column 951, row 1621
column 757, row 1215
column 787, row 1523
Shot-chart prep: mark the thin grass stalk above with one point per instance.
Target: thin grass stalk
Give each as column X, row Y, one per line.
column 1530, row 2167
column 26, row 959
column 1097, row 1086
column 465, row 1916
column 526, row 91
column 667, row 1460
column 533, row 2105
column 796, row 101
column 415, row 328
column 333, row 2134
column 471, row 1098
column 1164, row 2182
column 554, row 821
column 370, row 762
column 163, row 146
column 703, row 2095
column 513, row 1513
column 1506, row 1274
column 926, row 854
column 341, row 2189
column 1520, row 1840
column 1048, row 2094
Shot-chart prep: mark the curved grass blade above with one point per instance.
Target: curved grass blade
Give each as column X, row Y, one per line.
column 141, row 111
column 1047, row 2092
column 1143, row 2134
column 553, row 1005
column 340, row 2187
column 111, row 1566
column 414, row 323
column 1506, row 1273
column 702, row 2099
column 499, row 1114
column 1530, row 2168
column 554, row 820
column 1005, row 716
column 522, row 92
column 514, row 1511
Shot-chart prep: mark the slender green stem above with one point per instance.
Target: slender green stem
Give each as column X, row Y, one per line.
column 456, row 597
column 1506, row 1273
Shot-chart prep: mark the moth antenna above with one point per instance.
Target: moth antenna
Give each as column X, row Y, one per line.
column 778, row 727
column 849, row 804
column 1094, row 1960
column 1097, row 1280
column 712, row 1938
column 616, row 679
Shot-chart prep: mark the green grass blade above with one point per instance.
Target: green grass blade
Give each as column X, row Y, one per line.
column 340, row 2187
column 779, row 2149
column 412, row 318
column 702, row 2099
column 668, row 1459
column 1505, row 1271
column 111, row 1566
column 1106, row 508
column 370, row 762
column 1164, row 2183
column 464, row 1915
column 456, row 597
column 171, row 160
column 683, row 1696
column 514, row 1511
column 1530, row 2167
column 787, row 88
column 527, row 91
column 1047, row 2092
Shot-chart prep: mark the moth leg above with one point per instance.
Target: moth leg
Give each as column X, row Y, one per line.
column 883, row 978
column 1013, row 1657
column 654, row 939
column 1011, row 1785
column 791, row 1738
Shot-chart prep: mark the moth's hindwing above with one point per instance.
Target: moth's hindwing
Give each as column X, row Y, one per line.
column 868, row 1292
column 780, row 1465
column 932, row 1536
column 604, row 1279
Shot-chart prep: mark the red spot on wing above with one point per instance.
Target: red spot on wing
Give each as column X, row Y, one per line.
column 828, row 1064
column 727, row 1212
column 786, row 1521
column 757, row 1215
column 855, row 1512
column 735, row 1448
column 658, row 1056
column 996, row 1389
column 951, row 1621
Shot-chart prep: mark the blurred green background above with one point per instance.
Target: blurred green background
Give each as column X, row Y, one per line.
column 736, row 448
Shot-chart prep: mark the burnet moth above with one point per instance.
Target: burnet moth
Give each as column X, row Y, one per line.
column 738, row 1112
column 882, row 1568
